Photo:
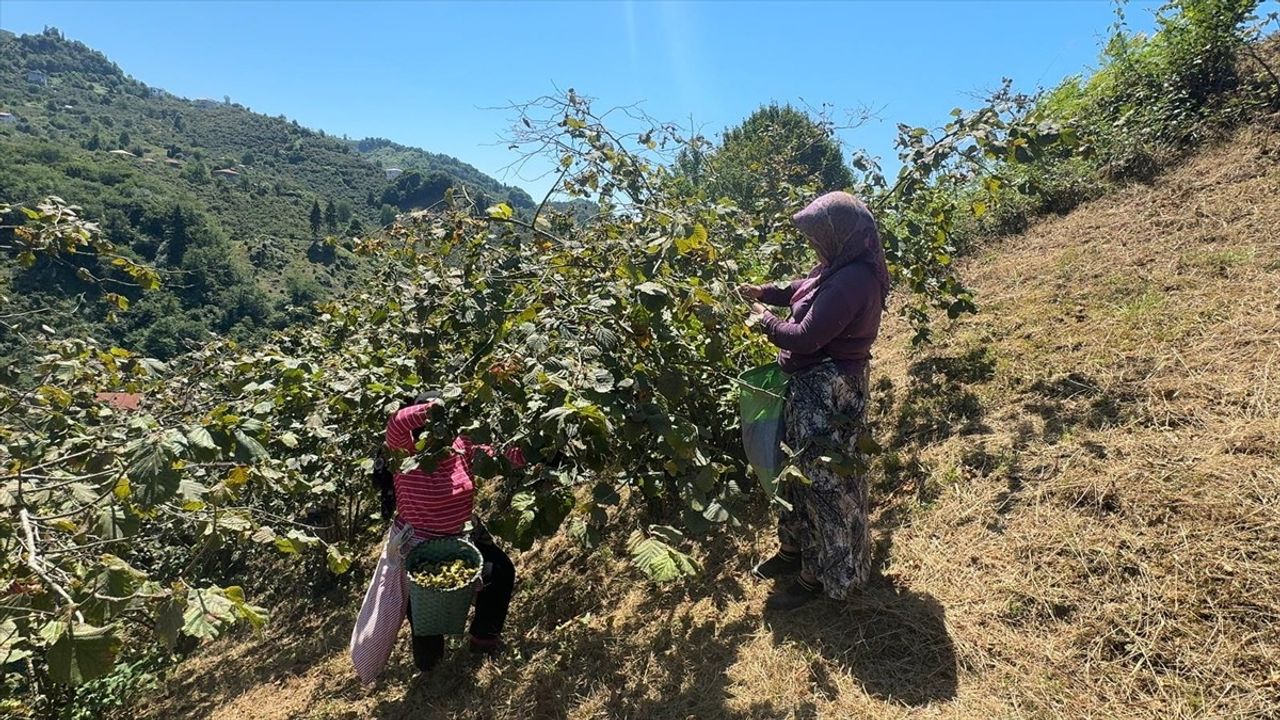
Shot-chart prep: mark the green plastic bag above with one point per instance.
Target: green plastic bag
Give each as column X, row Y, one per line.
column 761, row 399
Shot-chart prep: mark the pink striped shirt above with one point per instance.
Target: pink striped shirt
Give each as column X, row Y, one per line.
column 439, row 502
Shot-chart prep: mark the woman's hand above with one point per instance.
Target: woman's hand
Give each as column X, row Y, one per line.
column 750, row 292
column 757, row 314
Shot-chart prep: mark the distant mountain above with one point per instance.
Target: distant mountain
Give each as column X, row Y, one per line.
column 393, row 155
column 167, row 175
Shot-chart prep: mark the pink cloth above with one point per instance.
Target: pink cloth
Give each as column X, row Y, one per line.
column 385, row 606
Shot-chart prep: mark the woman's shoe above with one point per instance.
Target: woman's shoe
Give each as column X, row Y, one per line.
column 794, row 595
column 782, row 563
column 487, row 646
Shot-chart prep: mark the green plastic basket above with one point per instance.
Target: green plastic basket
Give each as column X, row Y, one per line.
column 435, row 611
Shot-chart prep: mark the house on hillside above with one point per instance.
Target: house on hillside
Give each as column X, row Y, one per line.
column 7, row 118
column 393, row 173
column 123, row 153
column 120, row 400
column 173, row 162
column 37, row 77
column 206, row 103
column 158, row 92
column 227, row 173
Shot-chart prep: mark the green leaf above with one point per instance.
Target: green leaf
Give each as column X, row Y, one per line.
column 208, row 610
column 236, row 521
column 605, row 494
column 115, row 522
column 715, row 512
column 653, row 296
column 289, row 440
column 168, row 623
column 252, row 448
column 337, row 560
column 295, row 542
column 10, row 642
column 601, row 380
column 82, row 653
column 667, row 534
column 867, row 444
column 253, row 614
column 697, row 239
column 501, row 211
column 200, row 437
column 151, row 473
column 288, row 546
column 658, row 560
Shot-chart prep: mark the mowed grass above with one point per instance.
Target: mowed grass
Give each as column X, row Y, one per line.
column 1077, row 515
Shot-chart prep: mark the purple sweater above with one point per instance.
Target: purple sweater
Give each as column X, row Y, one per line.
column 839, row 320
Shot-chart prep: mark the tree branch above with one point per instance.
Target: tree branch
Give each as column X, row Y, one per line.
column 33, row 562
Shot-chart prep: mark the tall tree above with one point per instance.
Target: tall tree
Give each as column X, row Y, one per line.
column 178, row 235
column 776, row 146
column 331, row 216
column 316, row 218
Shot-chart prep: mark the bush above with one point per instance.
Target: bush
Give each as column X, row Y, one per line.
column 1156, row 97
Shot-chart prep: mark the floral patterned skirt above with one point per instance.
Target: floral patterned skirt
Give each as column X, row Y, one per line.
column 825, row 418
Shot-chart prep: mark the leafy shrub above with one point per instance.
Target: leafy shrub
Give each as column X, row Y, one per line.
column 1156, row 96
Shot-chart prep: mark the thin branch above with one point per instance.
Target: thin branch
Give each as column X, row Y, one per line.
column 527, row 226
column 33, row 562
column 547, row 198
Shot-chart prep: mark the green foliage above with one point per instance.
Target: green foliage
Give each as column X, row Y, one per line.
column 386, row 153
column 387, row 215
column 330, row 216
column 656, row 557
column 412, row 190
column 91, row 107
column 776, row 147
column 315, row 217
column 1154, row 97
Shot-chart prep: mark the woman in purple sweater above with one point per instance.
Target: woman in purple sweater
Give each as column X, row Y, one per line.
column 824, row 347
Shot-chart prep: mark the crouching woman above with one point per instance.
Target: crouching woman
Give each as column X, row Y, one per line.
column 440, row 503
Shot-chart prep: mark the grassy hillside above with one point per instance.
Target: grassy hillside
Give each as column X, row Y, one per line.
column 1075, row 517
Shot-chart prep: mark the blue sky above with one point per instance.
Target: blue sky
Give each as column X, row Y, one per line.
column 423, row 73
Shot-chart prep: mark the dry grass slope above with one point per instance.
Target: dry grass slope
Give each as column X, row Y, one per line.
column 1079, row 516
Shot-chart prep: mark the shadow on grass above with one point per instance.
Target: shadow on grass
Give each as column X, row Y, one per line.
column 937, row 402
column 660, row 658
column 892, row 639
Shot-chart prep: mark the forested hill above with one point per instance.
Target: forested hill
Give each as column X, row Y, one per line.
column 433, row 166
column 240, row 187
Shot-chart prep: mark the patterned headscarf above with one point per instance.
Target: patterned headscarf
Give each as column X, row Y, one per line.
column 843, row 231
